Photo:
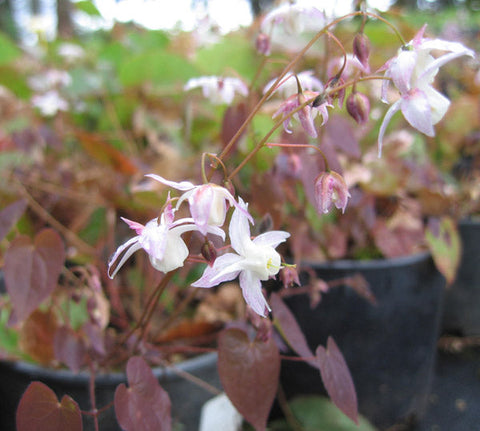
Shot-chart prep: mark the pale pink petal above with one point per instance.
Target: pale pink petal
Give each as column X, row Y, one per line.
column 137, row 227
column 182, row 185
column 440, row 61
column 131, row 246
column 239, row 229
column 271, row 238
column 252, row 292
column 401, row 70
column 386, row 120
column 225, row 268
column 417, row 111
column 438, row 103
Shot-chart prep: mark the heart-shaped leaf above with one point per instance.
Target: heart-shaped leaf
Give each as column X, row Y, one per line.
column 10, row 215
column 144, row 405
column 249, row 372
column 40, row 410
column 337, row 379
column 31, row 270
column 288, row 327
column 444, row 242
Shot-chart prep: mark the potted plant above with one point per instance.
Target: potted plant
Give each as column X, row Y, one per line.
column 188, row 224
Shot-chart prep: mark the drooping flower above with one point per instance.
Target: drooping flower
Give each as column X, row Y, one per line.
column 306, row 115
column 412, row 72
column 288, row 85
column 208, row 202
column 331, row 189
column 217, row 89
column 254, row 260
column 161, row 239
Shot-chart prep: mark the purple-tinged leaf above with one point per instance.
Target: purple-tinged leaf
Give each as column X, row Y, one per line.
column 10, row 215
column 249, row 372
column 444, row 243
column 69, row 348
column 31, row 270
column 337, row 379
column 288, row 327
column 39, row 410
column 144, row 405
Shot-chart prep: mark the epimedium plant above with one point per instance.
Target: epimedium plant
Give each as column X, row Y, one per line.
column 203, row 233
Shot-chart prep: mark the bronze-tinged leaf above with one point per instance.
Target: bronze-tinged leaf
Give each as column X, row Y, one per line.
column 69, row 348
column 39, row 410
column 31, row 270
column 444, row 242
column 37, row 335
column 288, row 327
column 105, row 153
column 10, row 215
column 233, row 118
column 249, row 372
column 337, row 379
column 187, row 329
column 144, row 405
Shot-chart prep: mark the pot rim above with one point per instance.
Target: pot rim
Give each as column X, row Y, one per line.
column 166, row 373
column 381, row 263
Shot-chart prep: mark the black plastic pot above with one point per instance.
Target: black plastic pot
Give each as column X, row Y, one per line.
column 389, row 347
column 187, row 397
column 462, row 299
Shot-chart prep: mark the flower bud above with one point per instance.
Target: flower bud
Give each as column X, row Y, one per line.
column 339, row 94
column 209, row 252
column 330, row 189
column 361, row 48
column 289, row 276
column 358, row 106
column 262, row 44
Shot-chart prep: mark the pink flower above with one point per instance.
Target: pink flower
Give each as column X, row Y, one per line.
column 254, row 261
column 330, row 189
column 218, row 90
column 208, row 202
column 412, row 72
column 306, row 115
column 162, row 241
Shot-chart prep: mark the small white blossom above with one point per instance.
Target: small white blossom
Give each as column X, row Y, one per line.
column 217, row 89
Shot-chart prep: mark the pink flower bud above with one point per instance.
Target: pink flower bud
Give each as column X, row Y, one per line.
column 361, row 48
column 339, row 94
column 289, row 276
column 262, row 44
column 358, row 106
column 209, row 252
column 330, row 189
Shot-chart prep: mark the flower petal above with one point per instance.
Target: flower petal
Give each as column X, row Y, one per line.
column 271, row 238
column 388, row 116
column 182, row 185
column 224, row 269
column 417, row 111
column 252, row 292
column 131, row 246
column 239, row 229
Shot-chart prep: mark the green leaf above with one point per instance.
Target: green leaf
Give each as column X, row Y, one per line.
column 88, row 7
column 8, row 50
column 162, row 68
column 233, row 52
column 318, row 413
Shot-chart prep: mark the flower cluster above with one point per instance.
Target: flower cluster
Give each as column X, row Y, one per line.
column 254, row 260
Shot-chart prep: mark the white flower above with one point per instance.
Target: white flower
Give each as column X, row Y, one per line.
column 50, row 103
column 162, row 241
column 294, row 17
column 217, row 89
column 413, row 71
column 254, row 261
column 208, row 202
